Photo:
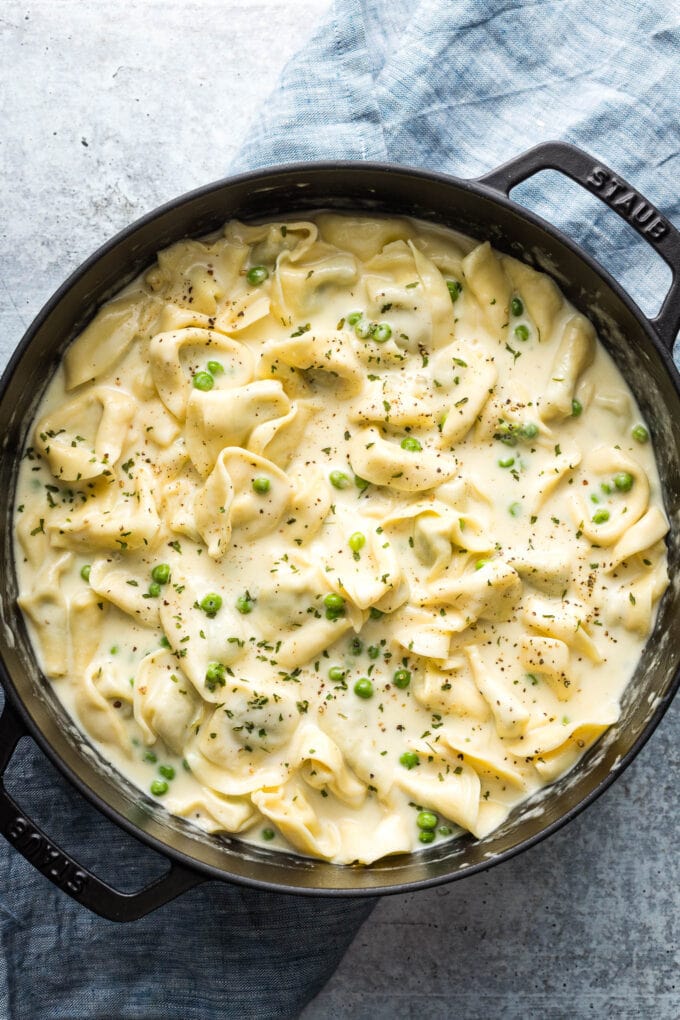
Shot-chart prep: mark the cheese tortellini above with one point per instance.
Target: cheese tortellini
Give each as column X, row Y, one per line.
column 342, row 534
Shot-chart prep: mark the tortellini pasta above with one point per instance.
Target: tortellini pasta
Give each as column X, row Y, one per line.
column 385, row 463
column 229, row 499
column 342, row 534
column 104, row 415
column 168, row 350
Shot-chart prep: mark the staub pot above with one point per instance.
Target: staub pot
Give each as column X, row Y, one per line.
column 641, row 347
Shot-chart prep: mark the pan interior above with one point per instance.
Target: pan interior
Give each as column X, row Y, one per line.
column 463, row 206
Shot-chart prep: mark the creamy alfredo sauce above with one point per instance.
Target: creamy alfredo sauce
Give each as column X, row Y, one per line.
column 339, row 534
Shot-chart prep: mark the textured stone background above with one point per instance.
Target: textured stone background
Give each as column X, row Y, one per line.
column 108, row 109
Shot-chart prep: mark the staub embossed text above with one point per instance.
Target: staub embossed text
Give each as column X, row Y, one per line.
column 47, row 858
column 627, row 202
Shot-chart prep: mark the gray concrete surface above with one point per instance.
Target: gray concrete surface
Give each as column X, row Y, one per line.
column 108, row 109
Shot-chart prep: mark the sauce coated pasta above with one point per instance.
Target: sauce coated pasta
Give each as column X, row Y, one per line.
column 341, row 534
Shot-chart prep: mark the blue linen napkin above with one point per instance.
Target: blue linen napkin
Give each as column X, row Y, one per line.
column 454, row 86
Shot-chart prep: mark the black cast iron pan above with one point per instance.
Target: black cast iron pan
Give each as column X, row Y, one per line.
column 642, row 349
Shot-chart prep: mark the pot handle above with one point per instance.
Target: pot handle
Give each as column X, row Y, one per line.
column 614, row 191
column 61, row 869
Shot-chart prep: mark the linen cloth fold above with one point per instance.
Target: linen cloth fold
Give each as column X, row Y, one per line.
column 456, row 86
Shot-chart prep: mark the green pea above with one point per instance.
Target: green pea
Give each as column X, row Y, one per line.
column 159, row 787
column 161, row 573
column 376, row 614
column 382, row 331
column 508, row 462
column 211, row 603
column 576, row 408
column 506, row 434
column 516, row 306
column 640, row 434
column 360, row 483
column 167, row 771
column 244, row 604
column 338, row 479
column 363, row 329
column 454, row 289
column 373, row 651
column 335, row 605
column 515, row 509
column 426, row 820
column 215, row 368
column 606, row 488
column 623, row 481
column 257, row 275
column 402, row 678
column 268, row 834
column 522, row 332
column 409, row 759
column 261, row 485
column 203, row 381
column 214, row 675
column 356, row 646
column 363, row 688
column 357, row 541
column 336, row 674
column 334, row 614
column 528, row 431
column 151, row 757
column 411, row 444
column 154, row 589
column 85, row 572
column 426, row 836
column 444, row 830
column 354, row 317
column 600, row 516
